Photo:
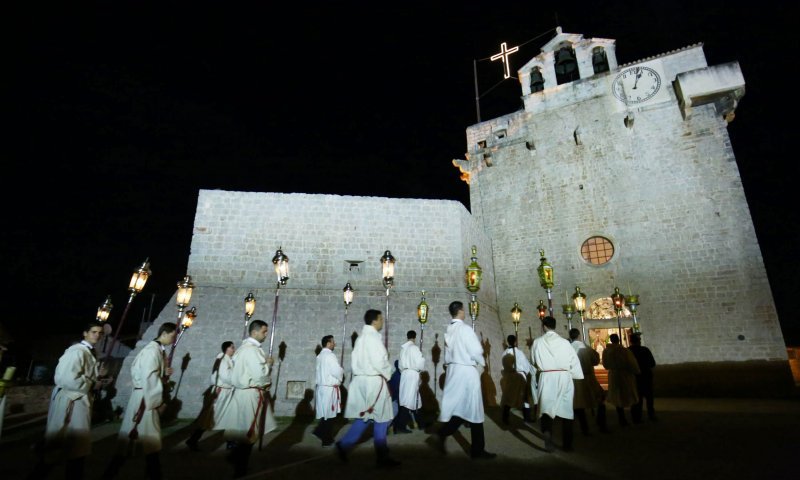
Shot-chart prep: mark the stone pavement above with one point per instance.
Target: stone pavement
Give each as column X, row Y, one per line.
column 693, row 439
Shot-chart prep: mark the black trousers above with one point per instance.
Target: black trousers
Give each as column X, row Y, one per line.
column 645, row 396
column 241, row 458
column 476, row 431
column 566, row 429
column 73, row 470
column 402, row 419
column 324, row 430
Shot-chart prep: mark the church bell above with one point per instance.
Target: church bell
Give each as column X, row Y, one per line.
column 565, row 62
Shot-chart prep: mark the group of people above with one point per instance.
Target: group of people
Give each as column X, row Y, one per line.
column 558, row 382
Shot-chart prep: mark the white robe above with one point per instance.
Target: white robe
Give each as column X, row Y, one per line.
column 463, row 356
column 141, row 425
column 69, row 418
column 328, row 397
column 515, row 376
column 558, row 364
column 250, row 378
column 368, row 397
column 221, row 392
column 411, row 362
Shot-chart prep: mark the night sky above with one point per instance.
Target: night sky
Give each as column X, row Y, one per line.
column 118, row 113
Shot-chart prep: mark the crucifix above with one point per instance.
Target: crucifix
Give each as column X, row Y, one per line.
column 503, row 55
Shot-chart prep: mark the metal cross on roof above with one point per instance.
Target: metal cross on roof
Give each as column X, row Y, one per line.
column 504, row 53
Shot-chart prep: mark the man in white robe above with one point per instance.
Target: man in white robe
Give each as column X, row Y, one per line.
column 411, row 363
column 515, row 384
column 328, row 395
column 217, row 397
column 462, row 400
column 368, row 399
column 248, row 416
column 141, row 424
column 558, row 365
column 588, row 392
column 69, row 419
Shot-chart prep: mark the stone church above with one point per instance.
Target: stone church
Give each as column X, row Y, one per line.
column 625, row 177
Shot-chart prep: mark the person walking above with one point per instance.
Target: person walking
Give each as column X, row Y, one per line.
column 644, row 381
column 69, row 418
column 248, row 416
column 411, row 363
column 141, row 424
column 558, row 365
column 328, row 396
column 462, row 401
column 218, row 396
column 368, row 399
column 622, row 370
column 516, row 381
column 589, row 394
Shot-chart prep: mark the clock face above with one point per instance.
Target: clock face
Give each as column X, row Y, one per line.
column 636, row 85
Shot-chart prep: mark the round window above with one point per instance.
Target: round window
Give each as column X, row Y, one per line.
column 597, row 250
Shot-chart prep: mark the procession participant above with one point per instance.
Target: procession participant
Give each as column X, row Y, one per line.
column 141, row 424
column 516, row 390
column 69, row 419
column 622, row 370
column 368, row 399
column 588, row 392
column 328, row 396
column 461, row 400
column 558, row 365
column 411, row 364
column 218, row 395
column 248, row 415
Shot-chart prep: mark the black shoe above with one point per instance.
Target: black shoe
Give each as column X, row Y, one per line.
column 387, row 462
column 402, row 430
column 568, row 448
column 340, row 452
column 327, row 443
column 548, row 442
column 192, row 446
column 484, row 455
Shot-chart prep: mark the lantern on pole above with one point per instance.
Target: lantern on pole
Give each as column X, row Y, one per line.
column 281, row 263
column 249, row 310
column 347, row 294
column 135, row 286
column 579, row 299
column 542, row 309
column 632, row 301
column 569, row 310
column 104, row 310
column 516, row 316
column 184, row 295
column 187, row 320
column 619, row 304
column 387, row 271
column 422, row 317
column 474, row 275
column 545, row 271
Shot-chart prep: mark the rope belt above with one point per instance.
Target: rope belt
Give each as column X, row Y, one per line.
column 372, row 407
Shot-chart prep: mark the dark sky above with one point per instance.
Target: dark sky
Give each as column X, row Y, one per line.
column 120, row 112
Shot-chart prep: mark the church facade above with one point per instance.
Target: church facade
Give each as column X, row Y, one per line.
column 624, row 176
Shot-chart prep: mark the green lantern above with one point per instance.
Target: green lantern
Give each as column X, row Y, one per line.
column 545, row 271
column 422, row 310
column 474, row 273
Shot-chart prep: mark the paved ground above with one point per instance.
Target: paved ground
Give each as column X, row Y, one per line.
column 693, row 439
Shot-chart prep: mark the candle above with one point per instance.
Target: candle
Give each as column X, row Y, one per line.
column 9, row 373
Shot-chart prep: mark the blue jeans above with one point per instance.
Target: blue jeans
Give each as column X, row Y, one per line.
column 357, row 429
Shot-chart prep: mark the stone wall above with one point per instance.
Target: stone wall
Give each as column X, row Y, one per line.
column 235, row 237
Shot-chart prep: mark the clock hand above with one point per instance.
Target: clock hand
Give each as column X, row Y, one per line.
column 638, row 71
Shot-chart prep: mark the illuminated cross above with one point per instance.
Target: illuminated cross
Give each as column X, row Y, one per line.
column 504, row 53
